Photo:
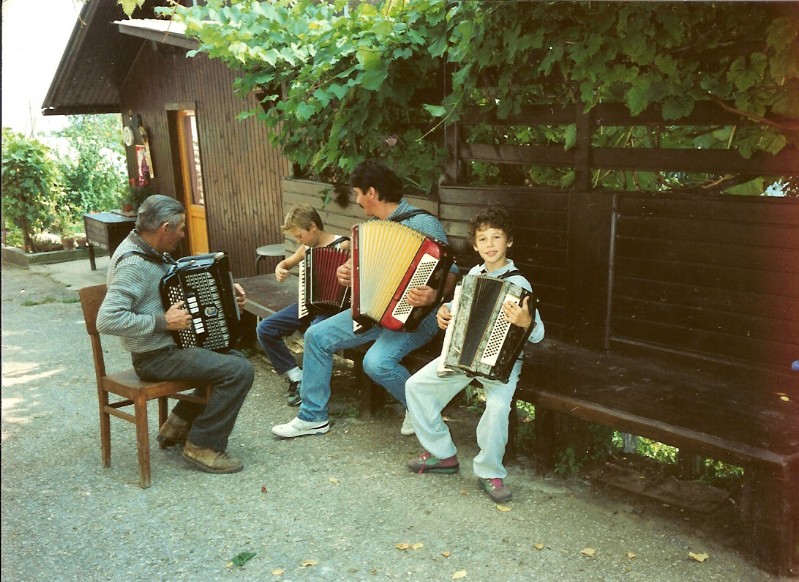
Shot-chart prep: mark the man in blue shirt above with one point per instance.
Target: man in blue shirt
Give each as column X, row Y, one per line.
column 379, row 192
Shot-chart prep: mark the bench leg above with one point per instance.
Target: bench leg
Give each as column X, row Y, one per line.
column 544, row 440
column 770, row 507
column 373, row 397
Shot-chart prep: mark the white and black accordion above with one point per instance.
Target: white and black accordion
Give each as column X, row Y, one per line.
column 479, row 340
column 388, row 260
column 205, row 284
column 319, row 290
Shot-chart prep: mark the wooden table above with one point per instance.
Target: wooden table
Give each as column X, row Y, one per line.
column 106, row 229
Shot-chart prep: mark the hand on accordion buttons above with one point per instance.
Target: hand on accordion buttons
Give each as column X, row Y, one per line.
column 518, row 314
column 421, row 296
column 177, row 317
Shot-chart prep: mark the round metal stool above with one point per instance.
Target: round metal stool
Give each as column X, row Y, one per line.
column 276, row 250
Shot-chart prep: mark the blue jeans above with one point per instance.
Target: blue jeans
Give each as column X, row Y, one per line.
column 273, row 329
column 229, row 374
column 381, row 363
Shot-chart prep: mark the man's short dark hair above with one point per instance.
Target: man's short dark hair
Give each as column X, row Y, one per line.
column 375, row 174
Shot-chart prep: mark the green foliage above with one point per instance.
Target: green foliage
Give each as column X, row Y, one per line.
column 94, row 171
column 31, row 181
column 340, row 84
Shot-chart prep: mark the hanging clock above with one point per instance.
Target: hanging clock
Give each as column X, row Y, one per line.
column 127, row 136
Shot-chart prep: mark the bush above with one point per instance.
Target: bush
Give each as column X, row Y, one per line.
column 31, row 184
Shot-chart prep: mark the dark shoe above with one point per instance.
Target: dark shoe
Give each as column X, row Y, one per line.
column 495, row 489
column 293, row 396
column 211, row 461
column 427, row 463
column 173, row 432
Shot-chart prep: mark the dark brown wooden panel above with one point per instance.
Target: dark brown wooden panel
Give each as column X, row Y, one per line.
column 713, row 279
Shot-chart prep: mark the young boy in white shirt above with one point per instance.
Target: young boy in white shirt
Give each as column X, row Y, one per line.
column 491, row 235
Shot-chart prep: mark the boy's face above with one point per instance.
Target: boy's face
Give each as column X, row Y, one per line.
column 492, row 244
column 309, row 237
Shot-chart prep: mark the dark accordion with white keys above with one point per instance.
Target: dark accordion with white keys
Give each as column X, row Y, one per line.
column 389, row 259
column 205, row 284
column 479, row 340
column 319, row 290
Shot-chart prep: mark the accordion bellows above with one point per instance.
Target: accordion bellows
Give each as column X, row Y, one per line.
column 479, row 340
column 389, row 259
column 319, row 290
column 205, row 284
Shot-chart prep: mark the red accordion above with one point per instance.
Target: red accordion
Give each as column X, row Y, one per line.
column 388, row 260
column 319, row 290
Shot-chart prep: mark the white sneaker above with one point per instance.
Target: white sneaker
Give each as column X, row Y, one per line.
column 297, row 427
column 407, row 425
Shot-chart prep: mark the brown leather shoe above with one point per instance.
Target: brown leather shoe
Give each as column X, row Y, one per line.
column 211, row 461
column 174, row 431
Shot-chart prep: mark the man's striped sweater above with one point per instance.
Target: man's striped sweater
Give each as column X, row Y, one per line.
column 132, row 308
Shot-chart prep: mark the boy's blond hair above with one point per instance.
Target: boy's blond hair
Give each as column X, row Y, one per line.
column 494, row 217
column 302, row 216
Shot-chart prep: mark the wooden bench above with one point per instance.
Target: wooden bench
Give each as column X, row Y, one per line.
column 742, row 417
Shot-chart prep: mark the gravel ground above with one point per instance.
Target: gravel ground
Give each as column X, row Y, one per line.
column 334, row 507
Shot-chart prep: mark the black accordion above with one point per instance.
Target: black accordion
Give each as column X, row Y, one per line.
column 479, row 340
column 205, row 284
column 389, row 259
column 319, row 291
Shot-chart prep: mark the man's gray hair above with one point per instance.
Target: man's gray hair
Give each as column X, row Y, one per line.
column 156, row 210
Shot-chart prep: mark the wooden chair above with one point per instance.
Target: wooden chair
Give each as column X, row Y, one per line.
column 127, row 385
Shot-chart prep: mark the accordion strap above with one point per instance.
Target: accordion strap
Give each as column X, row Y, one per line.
column 338, row 241
column 506, row 275
column 409, row 214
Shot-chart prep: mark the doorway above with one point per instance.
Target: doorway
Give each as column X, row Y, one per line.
column 190, row 183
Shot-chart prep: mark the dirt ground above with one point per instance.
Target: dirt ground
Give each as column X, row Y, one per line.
column 336, row 507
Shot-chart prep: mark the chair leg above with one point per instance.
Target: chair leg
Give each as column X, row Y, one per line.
column 163, row 410
column 105, row 428
column 142, row 440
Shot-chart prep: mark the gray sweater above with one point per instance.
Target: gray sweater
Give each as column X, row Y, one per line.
column 132, row 308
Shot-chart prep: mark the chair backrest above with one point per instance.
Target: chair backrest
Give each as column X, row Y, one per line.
column 90, row 300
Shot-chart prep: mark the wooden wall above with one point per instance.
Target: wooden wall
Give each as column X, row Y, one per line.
column 242, row 173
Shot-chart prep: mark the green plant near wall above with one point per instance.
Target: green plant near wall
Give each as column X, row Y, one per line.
column 31, row 185
column 339, row 83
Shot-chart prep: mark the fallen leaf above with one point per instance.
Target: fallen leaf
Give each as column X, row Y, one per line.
column 334, row 481
column 459, row 574
column 785, row 398
column 538, row 546
column 698, row 557
column 240, row 559
column 631, row 555
column 278, row 572
column 263, row 488
column 403, row 546
column 503, row 508
column 307, row 563
column 417, row 546
column 446, row 554
column 464, row 492
column 590, row 552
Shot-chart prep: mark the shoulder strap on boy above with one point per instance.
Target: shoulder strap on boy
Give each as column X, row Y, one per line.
column 338, row 241
column 506, row 275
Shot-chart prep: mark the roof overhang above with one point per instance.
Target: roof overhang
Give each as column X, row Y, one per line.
column 99, row 55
